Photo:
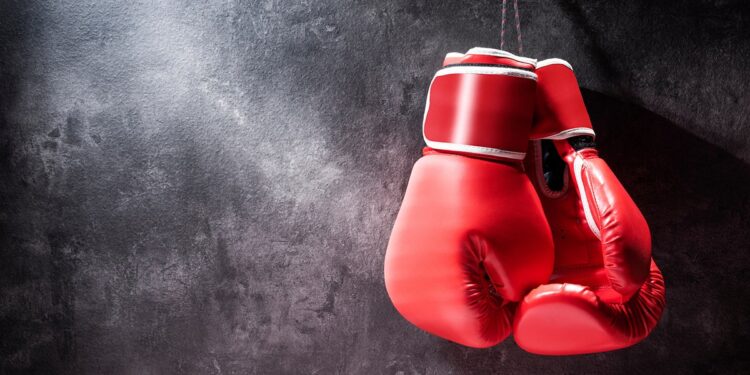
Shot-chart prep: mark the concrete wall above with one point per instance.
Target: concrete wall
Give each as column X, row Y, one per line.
column 208, row 187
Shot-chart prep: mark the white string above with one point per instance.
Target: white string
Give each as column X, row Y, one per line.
column 502, row 28
column 518, row 26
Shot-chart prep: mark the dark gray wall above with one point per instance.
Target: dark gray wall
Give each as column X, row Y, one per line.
column 209, row 187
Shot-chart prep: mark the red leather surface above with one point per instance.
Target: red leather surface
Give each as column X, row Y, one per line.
column 470, row 240
column 625, row 244
column 606, row 292
column 564, row 319
column 483, row 110
column 559, row 105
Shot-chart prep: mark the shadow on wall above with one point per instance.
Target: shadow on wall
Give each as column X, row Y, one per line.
column 696, row 199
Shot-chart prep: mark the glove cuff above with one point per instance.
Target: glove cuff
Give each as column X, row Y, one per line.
column 489, row 56
column 481, row 104
column 560, row 112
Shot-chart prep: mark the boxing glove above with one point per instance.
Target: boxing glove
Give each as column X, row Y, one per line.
column 606, row 292
column 470, row 238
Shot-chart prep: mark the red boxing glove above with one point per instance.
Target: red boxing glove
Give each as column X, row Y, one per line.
column 606, row 292
column 471, row 237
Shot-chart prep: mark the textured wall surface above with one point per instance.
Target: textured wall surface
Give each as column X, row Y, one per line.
column 208, row 187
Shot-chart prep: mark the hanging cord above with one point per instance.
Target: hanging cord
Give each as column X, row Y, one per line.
column 518, row 26
column 502, row 28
